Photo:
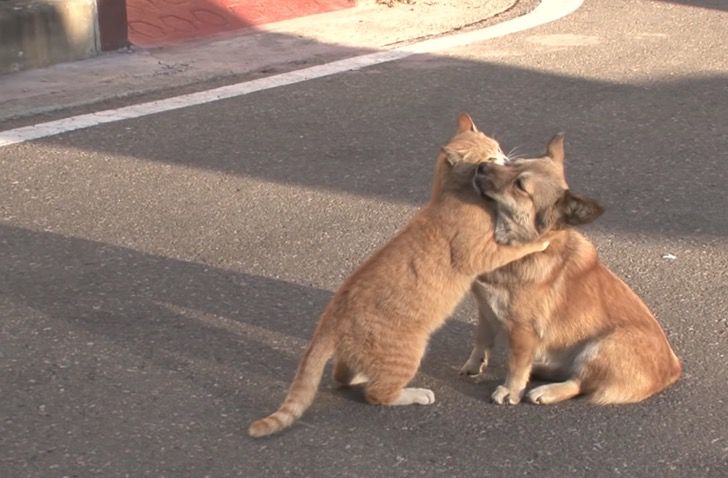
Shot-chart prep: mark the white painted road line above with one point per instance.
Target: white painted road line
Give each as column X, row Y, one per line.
column 547, row 11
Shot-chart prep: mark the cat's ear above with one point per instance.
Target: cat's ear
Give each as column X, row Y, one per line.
column 465, row 123
column 555, row 148
column 452, row 156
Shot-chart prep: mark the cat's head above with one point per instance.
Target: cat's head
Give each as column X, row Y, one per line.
column 459, row 159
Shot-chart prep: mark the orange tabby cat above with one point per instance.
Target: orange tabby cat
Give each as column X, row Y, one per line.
column 378, row 323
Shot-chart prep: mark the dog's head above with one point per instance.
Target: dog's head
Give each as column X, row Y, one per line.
column 531, row 196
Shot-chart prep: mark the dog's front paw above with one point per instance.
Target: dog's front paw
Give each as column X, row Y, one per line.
column 505, row 396
column 473, row 368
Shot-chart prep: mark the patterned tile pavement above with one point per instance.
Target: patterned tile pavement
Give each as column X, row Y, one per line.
column 160, row 22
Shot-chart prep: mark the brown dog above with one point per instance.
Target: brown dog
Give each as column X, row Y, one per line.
column 568, row 318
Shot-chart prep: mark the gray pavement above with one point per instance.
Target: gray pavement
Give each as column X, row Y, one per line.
column 162, row 275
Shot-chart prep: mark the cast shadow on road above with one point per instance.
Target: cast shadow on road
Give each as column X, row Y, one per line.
column 173, row 314
column 649, row 151
column 712, row 4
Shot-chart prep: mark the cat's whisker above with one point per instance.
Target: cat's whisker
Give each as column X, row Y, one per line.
column 513, row 150
column 512, row 156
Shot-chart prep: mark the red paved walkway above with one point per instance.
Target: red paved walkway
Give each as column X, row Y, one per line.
column 158, row 22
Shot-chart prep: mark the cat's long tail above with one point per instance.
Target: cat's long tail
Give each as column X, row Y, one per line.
column 304, row 386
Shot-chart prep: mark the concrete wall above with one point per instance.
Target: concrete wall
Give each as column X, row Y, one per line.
column 36, row 33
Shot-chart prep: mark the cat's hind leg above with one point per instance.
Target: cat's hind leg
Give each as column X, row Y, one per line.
column 391, row 394
column 345, row 376
column 387, row 383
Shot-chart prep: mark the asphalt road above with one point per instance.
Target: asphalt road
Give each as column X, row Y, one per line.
column 161, row 276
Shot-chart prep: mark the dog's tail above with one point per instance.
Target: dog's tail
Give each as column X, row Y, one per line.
column 304, row 386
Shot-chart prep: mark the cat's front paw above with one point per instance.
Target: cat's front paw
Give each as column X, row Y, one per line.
column 505, row 396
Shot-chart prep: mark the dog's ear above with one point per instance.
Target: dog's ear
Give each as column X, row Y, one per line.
column 555, row 148
column 465, row 123
column 570, row 210
column 576, row 210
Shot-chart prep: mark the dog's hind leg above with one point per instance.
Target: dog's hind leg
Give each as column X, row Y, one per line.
column 554, row 392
